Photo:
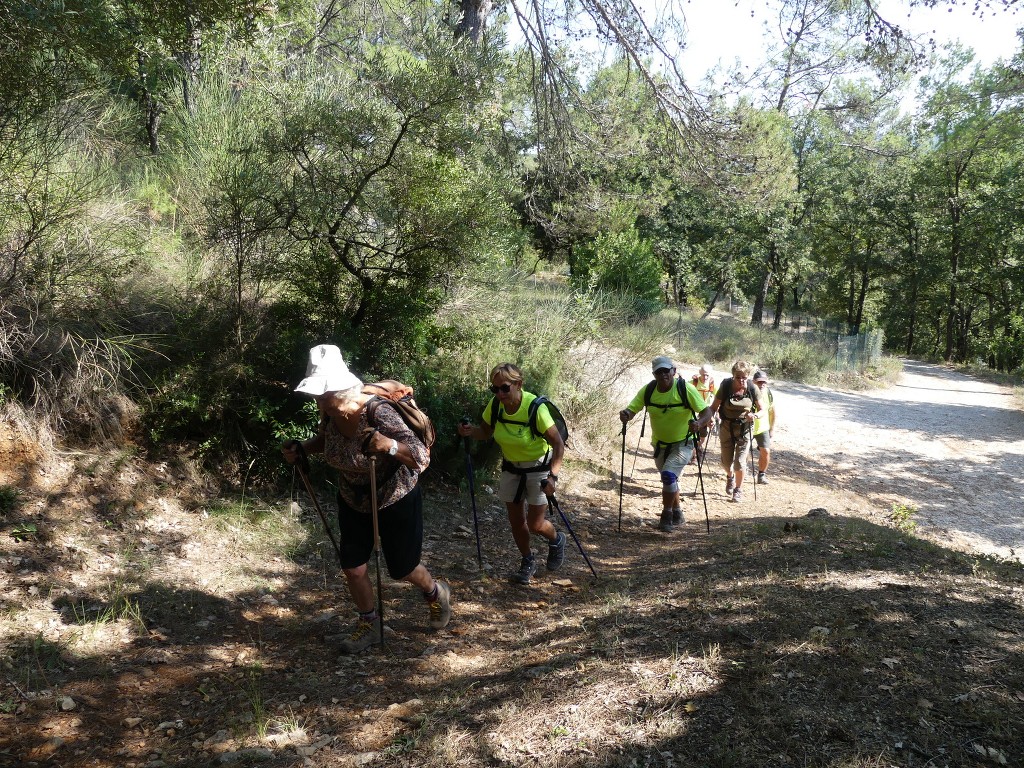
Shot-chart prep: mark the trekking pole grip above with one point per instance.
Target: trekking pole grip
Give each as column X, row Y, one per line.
column 298, row 447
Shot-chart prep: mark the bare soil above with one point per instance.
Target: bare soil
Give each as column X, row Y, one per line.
column 140, row 628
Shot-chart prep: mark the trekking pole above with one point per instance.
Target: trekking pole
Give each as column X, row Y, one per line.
column 643, row 426
column 700, row 458
column 472, row 497
column 700, row 481
column 303, row 468
column 753, row 473
column 376, row 544
column 557, row 507
column 622, row 473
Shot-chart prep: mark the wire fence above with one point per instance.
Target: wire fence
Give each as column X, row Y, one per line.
column 849, row 352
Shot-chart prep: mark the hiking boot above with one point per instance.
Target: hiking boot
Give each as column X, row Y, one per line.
column 365, row 634
column 556, row 552
column 761, row 479
column 677, row 517
column 737, row 495
column 527, row 568
column 441, row 606
column 666, row 521
column 730, row 484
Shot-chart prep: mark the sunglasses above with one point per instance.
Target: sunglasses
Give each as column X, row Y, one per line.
column 503, row 388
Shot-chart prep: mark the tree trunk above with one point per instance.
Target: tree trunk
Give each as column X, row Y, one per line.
column 151, row 108
column 474, row 19
column 780, row 300
column 914, row 287
column 862, row 292
column 851, row 291
column 189, row 60
column 757, row 315
column 714, row 299
column 954, row 274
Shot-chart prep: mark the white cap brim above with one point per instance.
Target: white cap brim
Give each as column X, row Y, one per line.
column 318, row 385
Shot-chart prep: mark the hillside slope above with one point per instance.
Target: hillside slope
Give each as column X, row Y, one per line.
column 146, row 624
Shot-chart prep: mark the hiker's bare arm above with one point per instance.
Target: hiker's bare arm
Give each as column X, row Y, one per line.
column 314, row 444
column 475, row 431
column 557, row 451
column 381, row 444
column 708, row 413
column 393, row 431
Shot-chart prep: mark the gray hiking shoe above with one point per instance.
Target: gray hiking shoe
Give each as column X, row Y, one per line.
column 677, row 517
column 761, row 479
column 365, row 634
column 666, row 525
column 527, row 568
column 737, row 495
column 556, row 552
column 441, row 607
column 730, row 484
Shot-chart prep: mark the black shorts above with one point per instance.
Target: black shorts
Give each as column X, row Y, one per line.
column 764, row 440
column 401, row 534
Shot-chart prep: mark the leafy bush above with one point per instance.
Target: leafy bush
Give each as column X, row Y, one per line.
column 623, row 263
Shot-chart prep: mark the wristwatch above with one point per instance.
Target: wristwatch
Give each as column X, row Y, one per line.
column 553, row 476
column 394, row 448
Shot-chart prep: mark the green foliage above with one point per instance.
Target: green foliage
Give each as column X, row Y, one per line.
column 623, row 263
column 23, row 531
column 9, row 497
column 794, row 359
column 902, row 516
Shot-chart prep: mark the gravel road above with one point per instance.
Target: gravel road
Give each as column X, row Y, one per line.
column 948, row 444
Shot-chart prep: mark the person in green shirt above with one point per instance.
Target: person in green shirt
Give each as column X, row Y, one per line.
column 532, row 461
column 764, row 428
column 672, row 404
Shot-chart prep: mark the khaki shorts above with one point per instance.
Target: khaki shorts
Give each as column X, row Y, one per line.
column 509, row 484
column 735, row 441
column 673, row 459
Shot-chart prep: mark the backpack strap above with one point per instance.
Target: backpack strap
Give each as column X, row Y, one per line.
column 680, row 388
column 495, row 405
column 533, row 412
column 685, row 396
column 649, row 392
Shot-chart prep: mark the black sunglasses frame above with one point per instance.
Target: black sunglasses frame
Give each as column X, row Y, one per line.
column 504, row 388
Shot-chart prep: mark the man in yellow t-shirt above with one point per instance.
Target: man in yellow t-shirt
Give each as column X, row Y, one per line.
column 671, row 404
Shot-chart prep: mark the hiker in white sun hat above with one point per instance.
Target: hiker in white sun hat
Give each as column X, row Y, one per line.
column 347, row 438
column 326, row 371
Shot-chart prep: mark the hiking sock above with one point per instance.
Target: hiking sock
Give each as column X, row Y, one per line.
column 431, row 596
column 369, row 617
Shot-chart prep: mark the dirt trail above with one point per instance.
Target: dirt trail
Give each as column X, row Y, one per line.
column 947, row 444
column 950, row 445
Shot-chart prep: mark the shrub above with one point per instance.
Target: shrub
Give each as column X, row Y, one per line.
column 622, row 263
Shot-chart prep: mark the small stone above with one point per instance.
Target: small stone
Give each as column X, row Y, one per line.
column 67, row 704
